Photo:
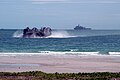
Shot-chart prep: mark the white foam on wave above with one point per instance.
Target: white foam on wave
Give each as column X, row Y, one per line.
column 51, row 53
column 56, row 53
column 114, row 53
column 19, row 53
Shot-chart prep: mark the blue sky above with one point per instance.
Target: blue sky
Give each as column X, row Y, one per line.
column 60, row 14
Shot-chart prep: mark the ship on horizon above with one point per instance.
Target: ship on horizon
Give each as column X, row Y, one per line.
column 78, row 27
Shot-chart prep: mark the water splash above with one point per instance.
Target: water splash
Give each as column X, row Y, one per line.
column 60, row 34
column 18, row 34
column 55, row 34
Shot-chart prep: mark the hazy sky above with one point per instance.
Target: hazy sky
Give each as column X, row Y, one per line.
column 60, row 14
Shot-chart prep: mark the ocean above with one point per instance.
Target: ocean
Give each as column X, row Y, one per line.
column 61, row 42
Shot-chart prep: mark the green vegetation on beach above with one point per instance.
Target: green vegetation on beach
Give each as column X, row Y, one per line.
column 38, row 75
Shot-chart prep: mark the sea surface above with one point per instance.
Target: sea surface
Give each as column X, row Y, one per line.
column 62, row 42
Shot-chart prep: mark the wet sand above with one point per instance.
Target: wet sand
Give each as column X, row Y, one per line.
column 61, row 64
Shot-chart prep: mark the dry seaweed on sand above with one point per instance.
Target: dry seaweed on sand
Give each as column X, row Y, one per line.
column 38, row 75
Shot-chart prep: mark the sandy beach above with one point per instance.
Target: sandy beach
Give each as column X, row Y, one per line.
column 61, row 64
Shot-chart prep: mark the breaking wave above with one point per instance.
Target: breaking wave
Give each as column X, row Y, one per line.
column 114, row 53
column 67, row 53
column 52, row 53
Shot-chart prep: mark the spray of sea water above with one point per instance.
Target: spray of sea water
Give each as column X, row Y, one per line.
column 55, row 34
column 18, row 34
column 73, row 33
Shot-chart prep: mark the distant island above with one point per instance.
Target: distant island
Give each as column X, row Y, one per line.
column 78, row 27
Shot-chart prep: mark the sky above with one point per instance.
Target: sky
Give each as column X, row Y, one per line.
column 60, row 14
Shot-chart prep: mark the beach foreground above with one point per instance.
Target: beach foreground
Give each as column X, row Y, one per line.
column 61, row 64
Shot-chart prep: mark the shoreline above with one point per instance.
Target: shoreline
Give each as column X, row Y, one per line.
column 60, row 64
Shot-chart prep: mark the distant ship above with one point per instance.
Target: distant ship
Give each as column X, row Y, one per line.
column 78, row 27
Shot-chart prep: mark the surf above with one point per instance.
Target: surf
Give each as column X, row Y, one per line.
column 51, row 53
